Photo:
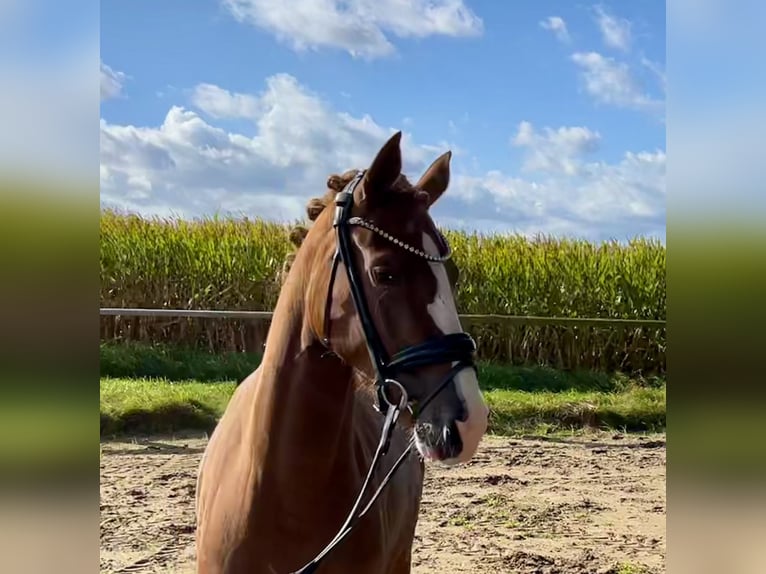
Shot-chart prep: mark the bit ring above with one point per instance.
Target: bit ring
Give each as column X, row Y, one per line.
column 403, row 399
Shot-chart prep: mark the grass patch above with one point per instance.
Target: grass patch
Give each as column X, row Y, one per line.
column 178, row 363
column 174, row 363
column 145, row 406
column 515, row 412
column 497, row 376
column 149, row 389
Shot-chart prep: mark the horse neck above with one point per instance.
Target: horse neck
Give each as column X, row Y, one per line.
column 311, row 407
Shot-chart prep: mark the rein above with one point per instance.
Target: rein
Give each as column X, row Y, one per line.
column 456, row 348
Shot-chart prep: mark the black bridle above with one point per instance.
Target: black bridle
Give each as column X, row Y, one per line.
column 456, row 348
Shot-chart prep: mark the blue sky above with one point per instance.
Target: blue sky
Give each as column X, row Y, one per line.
column 554, row 110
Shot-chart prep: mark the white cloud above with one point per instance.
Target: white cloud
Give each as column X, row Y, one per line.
column 555, row 151
column 220, row 103
column 360, row 27
column 603, row 201
column 610, row 82
column 616, row 32
column 111, row 82
column 558, row 26
column 633, row 187
column 189, row 166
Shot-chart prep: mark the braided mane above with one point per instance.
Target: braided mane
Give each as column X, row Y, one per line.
column 316, row 205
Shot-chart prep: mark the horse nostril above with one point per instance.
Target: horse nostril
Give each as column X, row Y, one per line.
column 443, row 438
column 462, row 413
column 453, row 442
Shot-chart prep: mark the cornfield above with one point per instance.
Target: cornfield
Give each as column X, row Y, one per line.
column 235, row 265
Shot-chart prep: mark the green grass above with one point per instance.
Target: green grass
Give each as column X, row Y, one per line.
column 514, row 412
column 494, row 376
column 173, row 362
column 160, row 389
column 147, row 406
column 179, row 363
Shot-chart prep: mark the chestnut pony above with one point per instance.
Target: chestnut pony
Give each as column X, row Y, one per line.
column 365, row 358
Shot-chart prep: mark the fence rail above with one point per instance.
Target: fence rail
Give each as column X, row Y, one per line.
column 507, row 319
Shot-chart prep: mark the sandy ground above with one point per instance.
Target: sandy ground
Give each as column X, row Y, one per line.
column 591, row 505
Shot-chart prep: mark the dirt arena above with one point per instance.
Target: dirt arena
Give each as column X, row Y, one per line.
column 593, row 505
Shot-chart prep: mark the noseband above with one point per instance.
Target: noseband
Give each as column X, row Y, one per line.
column 454, row 348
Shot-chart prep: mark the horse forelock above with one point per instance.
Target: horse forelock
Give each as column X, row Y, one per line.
column 317, row 205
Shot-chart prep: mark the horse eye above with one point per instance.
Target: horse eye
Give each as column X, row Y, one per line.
column 384, row 276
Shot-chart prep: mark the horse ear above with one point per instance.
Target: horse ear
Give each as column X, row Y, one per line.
column 383, row 172
column 436, row 178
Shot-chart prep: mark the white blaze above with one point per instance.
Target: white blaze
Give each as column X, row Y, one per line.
column 444, row 314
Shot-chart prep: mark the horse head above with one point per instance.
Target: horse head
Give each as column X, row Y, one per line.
column 391, row 313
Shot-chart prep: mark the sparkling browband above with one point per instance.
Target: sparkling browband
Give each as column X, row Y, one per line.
column 420, row 253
